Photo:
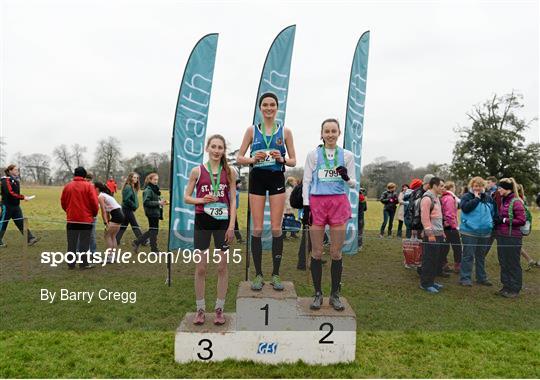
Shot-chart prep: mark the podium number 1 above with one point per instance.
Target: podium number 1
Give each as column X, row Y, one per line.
column 265, row 308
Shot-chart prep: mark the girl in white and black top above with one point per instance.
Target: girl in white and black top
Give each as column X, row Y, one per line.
column 112, row 215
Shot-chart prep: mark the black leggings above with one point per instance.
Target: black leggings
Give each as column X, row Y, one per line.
column 15, row 213
column 152, row 233
column 129, row 218
column 454, row 239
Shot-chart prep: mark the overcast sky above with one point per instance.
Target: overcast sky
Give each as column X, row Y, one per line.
column 78, row 71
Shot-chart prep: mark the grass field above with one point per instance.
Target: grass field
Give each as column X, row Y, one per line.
column 402, row 331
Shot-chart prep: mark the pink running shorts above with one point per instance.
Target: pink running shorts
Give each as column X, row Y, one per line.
column 330, row 209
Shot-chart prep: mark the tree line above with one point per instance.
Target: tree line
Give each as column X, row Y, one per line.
column 492, row 144
column 108, row 161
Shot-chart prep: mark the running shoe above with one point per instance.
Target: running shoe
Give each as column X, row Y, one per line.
column 336, row 302
column 257, row 283
column 429, row 289
column 276, row 283
column 199, row 317
column 509, row 294
column 465, row 283
column 3, row 245
column 485, row 283
column 33, row 241
column 530, row 265
column 87, row 266
column 438, row 286
column 317, row 301
column 220, row 317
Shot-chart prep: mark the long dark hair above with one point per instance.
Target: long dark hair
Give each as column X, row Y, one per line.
column 101, row 187
column 129, row 178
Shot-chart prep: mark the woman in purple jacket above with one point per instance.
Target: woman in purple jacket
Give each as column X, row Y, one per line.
column 509, row 237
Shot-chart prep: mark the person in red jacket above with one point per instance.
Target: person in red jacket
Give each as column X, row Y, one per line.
column 80, row 202
column 10, row 207
column 111, row 185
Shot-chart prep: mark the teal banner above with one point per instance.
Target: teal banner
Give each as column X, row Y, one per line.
column 189, row 133
column 354, row 128
column 275, row 78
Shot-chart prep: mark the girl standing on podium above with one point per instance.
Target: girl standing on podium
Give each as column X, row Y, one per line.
column 327, row 172
column 269, row 144
column 215, row 213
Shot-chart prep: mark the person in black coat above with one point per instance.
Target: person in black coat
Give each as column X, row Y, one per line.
column 10, row 207
column 362, row 208
column 390, row 201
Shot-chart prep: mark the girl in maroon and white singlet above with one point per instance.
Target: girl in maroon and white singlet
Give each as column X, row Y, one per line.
column 215, row 213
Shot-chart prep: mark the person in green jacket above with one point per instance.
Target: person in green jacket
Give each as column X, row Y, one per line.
column 153, row 209
column 130, row 203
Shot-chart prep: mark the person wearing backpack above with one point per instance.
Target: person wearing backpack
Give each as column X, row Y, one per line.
column 432, row 221
column 477, row 215
column 512, row 215
column 390, row 201
column 288, row 211
column 414, row 206
column 415, row 184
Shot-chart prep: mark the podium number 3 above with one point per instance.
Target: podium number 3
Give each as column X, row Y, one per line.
column 330, row 331
column 265, row 308
column 210, row 353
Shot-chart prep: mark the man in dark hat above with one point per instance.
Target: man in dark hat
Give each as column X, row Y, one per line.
column 79, row 201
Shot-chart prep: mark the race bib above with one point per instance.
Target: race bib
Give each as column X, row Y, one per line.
column 328, row 175
column 269, row 160
column 217, row 210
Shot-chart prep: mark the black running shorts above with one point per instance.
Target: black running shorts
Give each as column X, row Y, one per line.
column 261, row 181
column 117, row 216
column 205, row 227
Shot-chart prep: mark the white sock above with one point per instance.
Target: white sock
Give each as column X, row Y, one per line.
column 200, row 304
column 220, row 304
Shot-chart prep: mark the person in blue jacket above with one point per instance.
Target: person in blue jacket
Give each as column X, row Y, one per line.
column 478, row 213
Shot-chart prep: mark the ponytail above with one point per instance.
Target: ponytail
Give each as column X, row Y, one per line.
column 9, row 168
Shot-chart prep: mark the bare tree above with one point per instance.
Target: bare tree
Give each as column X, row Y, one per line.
column 107, row 157
column 78, row 152
column 63, row 158
column 67, row 160
column 36, row 168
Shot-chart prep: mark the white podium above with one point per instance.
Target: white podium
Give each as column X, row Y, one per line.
column 271, row 327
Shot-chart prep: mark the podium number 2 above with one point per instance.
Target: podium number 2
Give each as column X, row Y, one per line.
column 323, row 339
column 210, row 353
column 265, row 308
